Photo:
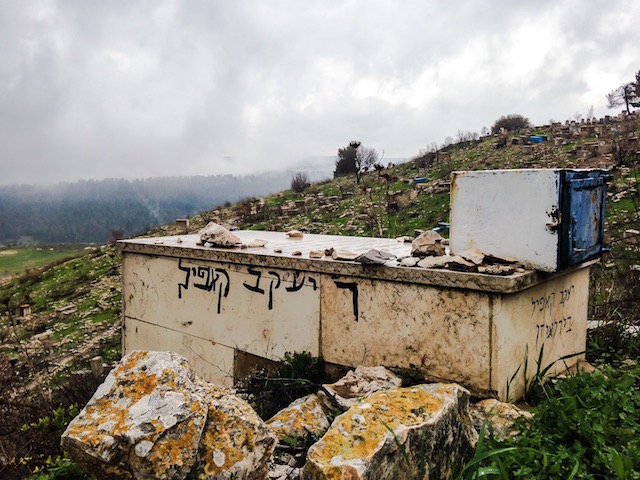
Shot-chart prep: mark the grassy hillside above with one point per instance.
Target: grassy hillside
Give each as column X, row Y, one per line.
column 18, row 259
column 75, row 303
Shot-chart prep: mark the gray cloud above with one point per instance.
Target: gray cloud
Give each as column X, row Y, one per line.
column 92, row 89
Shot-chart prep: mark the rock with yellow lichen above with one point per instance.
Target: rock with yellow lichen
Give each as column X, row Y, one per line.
column 416, row 432
column 499, row 416
column 153, row 417
column 306, row 415
column 358, row 384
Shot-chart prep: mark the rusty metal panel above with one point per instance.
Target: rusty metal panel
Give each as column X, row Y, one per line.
column 444, row 331
column 263, row 311
column 551, row 316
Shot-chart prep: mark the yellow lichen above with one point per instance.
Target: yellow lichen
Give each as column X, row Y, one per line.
column 367, row 427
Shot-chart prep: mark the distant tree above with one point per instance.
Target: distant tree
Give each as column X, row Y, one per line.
column 627, row 94
column 366, row 157
column 511, row 123
column 346, row 161
column 356, row 159
column 299, row 182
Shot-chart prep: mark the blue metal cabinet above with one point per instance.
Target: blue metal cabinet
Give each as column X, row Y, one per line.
column 547, row 219
column 583, row 209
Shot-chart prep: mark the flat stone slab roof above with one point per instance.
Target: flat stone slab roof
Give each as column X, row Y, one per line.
column 280, row 248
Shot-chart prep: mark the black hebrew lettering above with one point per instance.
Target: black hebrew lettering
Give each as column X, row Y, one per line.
column 208, row 279
column 254, row 288
column 353, row 286
column 296, row 284
column 546, row 331
column 219, row 272
column 271, row 287
column 184, row 285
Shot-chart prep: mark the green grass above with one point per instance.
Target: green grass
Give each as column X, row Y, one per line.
column 584, row 426
column 15, row 260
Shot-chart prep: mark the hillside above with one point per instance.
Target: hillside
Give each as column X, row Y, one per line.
column 75, row 303
column 95, row 211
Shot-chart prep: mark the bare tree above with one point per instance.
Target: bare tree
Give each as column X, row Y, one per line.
column 627, row 94
column 366, row 157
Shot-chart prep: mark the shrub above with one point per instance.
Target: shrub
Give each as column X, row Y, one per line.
column 299, row 182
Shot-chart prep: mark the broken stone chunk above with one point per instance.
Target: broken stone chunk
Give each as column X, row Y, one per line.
column 360, row 383
column 497, row 269
column 153, row 417
column 375, row 257
column 316, row 254
column 257, row 243
column 295, row 234
column 429, row 243
column 474, row 255
column 329, row 251
column 344, row 255
column 499, row 415
column 414, row 432
column 305, row 415
column 296, row 253
column 405, row 239
column 409, row 261
column 493, row 260
column 218, row 236
column 434, row 262
column 459, row 264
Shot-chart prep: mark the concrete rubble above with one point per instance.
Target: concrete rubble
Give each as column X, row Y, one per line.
column 153, row 417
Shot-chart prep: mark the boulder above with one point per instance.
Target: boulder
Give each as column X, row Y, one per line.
column 153, row 417
column 306, row 415
column 416, row 432
column 427, row 244
column 218, row 236
column 360, row 383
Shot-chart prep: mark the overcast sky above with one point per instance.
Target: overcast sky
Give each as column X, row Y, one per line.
column 105, row 88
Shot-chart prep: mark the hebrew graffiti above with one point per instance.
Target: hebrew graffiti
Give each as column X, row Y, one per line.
column 219, row 280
